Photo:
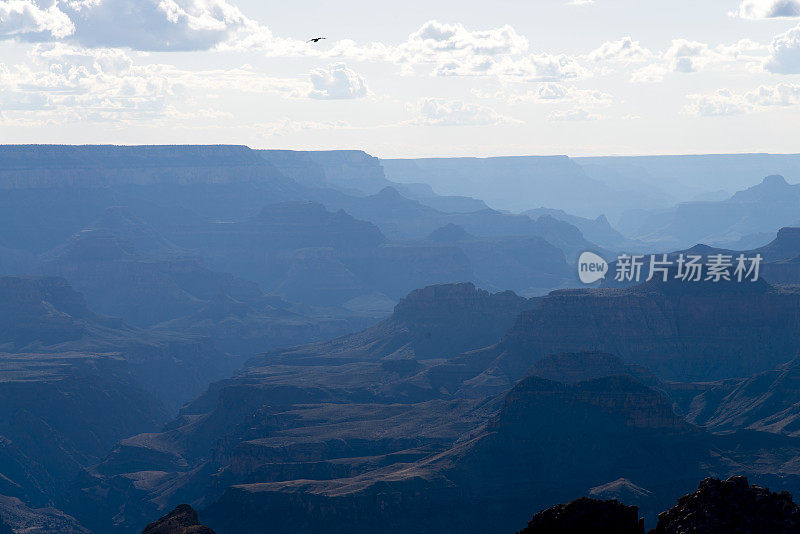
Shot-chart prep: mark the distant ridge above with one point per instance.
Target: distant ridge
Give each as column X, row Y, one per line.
column 41, row 166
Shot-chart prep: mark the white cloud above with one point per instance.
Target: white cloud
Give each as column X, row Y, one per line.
column 685, row 56
column 441, row 112
column 546, row 67
column 443, row 42
column 185, row 25
column 682, row 56
column 557, row 91
column 24, row 19
column 650, row 73
column 782, row 94
column 577, row 114
column 62, row 82
column 552, row 92
column 625, row 50
column 767, row 9
column 720, row 103
column 688, row 56
column 62, row 79
column 725, row 102
column 531, row 68
column 337, row 81
column 454, row 50
column 784, row 54
column 157, row 24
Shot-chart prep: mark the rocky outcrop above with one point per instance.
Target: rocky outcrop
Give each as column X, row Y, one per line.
column 17, row 517
column 344, row 170
column 768, row 401
column 327, row 446
column 250, row 328
column 43, row 311
column 332, row 409
column 402, row 218
column 570, row 368
column 119, row 280
column 680, row 331
column 534, row 452
column 350, row 169
column 785, row 246
column 550, row 443
column 433, row 322
column 182, row 520
column 529, row 265
column 61, row 412
column 622, row 490
column 732, row 506
column 597, row 230
column 587, row 516
column 46, row 315
column 304, row 252
column 450, row 233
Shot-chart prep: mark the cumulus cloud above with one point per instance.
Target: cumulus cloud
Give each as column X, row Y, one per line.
column 25, row 19
column 725, row 102
column 681, row 56
column 185, row 25
column 688, row 56
column 157, row 24
column 720, row 103
column 90, row 82
column 625, row 50
column 784, row 56
column 532, row 68
column 767, row 9
column 337, row 81
column 441, row 112
column 650, row 73
column 454, row 50
column 561, row 92
column 577, row 114
column 552, row 92
column 63, row 82
column 685, row 56
column 437, row 41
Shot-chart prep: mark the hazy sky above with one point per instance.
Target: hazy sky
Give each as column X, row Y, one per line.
column 408, row 79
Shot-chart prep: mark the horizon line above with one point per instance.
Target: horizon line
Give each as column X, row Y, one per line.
column 551, row 155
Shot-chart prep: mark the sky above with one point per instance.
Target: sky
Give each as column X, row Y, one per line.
column 408, row 79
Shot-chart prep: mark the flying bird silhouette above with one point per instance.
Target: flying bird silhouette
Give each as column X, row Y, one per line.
column 316, row 39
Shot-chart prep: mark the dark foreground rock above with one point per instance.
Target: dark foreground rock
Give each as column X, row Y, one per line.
column 182, row 520
column 587, row 516
column 732, row 506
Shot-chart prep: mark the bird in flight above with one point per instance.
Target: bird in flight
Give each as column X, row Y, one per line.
column 316, row 39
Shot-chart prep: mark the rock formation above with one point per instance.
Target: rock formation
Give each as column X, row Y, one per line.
column 731, row 506
column 587, row 516
column 182, row 520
